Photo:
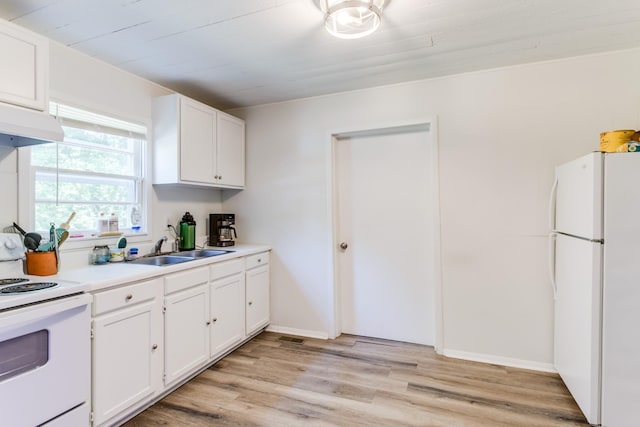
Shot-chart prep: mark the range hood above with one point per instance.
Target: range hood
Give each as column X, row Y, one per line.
column 20, row 127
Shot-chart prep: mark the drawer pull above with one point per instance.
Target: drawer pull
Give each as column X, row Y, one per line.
column 128, row 297
column 208, row 323
column 155, row 347
column 250, row 303
column 214, row 320
column 259, row 259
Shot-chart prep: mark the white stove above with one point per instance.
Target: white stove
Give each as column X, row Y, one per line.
column 33, row 289
column 44, row 335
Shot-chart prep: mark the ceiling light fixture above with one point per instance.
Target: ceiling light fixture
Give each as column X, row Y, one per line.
column 352, row 19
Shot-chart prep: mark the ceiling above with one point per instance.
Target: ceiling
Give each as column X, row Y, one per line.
column 233, row 53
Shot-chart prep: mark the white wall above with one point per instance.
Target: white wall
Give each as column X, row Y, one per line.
column 501, row 132
column 80, row 80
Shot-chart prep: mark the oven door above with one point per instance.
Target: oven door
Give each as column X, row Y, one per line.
column 45, row 361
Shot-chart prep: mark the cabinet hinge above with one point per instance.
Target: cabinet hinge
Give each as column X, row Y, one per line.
column 91, row 332
column 91, row 417
column 164, row 310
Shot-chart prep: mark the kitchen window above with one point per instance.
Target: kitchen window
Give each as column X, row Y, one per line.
column 98, row 170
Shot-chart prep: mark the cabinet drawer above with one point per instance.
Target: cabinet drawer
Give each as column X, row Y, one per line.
column 257, row 260
column 226, row 268
column 125, row 296
column 185, row 279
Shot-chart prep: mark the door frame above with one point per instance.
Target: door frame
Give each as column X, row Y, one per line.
column 430, row 125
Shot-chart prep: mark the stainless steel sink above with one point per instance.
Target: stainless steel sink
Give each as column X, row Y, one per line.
column 202, row 253
column 162, row 260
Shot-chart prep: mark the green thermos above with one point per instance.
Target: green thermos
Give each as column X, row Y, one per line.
column 187, row 232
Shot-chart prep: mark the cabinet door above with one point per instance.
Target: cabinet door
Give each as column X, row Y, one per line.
column 257, row 285
column 230, row 155
column 186, row 332
column 227, row 313
column 197, row 142
column 24, row 67
column 127, row 356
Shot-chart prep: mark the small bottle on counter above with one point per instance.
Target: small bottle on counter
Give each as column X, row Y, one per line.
column 113, row 222
column 132, row 254
column 102, row 223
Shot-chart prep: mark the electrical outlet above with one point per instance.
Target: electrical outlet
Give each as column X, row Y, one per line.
column 167, row 222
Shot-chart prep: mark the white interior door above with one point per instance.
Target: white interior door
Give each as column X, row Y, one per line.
column 385, row 215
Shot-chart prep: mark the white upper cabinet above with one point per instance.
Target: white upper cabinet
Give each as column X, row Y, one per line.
column 230, row 155
column 195, row 144
column 24, row 67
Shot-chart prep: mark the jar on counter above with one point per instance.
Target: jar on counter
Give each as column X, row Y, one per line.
column 100, row 254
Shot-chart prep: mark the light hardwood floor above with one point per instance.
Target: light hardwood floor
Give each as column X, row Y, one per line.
column 279, row 380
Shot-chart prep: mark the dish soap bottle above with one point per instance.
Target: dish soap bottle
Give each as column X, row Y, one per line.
column 187, row 232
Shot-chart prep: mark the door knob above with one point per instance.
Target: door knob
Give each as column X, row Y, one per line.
column 344, row 246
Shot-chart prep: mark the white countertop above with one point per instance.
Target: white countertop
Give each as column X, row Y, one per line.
column 93, row 278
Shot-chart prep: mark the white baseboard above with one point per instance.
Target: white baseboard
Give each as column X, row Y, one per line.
column 298, row 332
column 498, row 360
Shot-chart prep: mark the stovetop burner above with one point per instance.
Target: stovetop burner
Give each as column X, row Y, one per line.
column 27, row 287
column 13, row 281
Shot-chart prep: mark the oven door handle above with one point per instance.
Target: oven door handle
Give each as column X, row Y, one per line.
column 15, row 318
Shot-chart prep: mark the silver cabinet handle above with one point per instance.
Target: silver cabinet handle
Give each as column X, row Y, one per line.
column 128, row 297
column 344, row 246
column 155, row 347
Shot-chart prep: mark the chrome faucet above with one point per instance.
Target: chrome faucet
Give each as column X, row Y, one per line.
column 157, row 249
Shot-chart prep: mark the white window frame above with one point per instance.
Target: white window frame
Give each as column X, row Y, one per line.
column 26, row 191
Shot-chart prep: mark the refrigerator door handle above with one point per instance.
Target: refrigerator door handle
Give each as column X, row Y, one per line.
column 552, row 203
column 552, row 263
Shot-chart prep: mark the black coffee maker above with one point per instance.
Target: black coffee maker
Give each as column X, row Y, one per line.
column 221, row 230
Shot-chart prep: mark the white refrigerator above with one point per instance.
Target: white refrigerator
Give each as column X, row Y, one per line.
column 595, row 266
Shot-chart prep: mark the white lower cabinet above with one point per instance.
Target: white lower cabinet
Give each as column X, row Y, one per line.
column 258, row 295
column 227, row 306
column 127, row 348
column 186, row 318
column 137, row 355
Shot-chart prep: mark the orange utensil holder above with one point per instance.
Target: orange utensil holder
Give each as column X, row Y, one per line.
column 42, row 263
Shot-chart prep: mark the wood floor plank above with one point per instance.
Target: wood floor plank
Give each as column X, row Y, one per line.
column 282, row 380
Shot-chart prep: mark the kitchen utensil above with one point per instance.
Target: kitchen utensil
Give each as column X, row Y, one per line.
column 17, row 227
column 55, row 248
column 66, row 224
column 62, row 235
column 32, row 241
column 45, row 247
column 52, row 233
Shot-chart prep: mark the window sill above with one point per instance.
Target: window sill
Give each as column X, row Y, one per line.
column 84, row 241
